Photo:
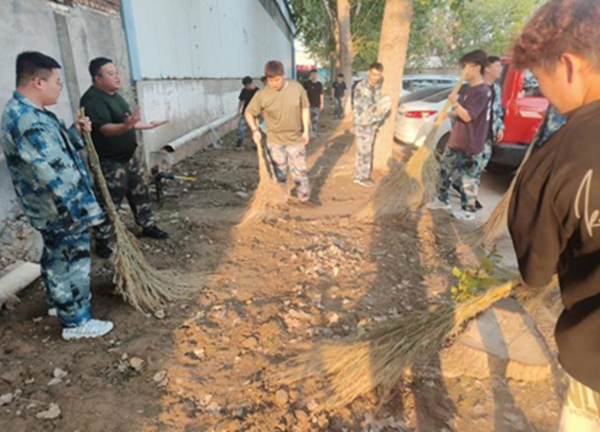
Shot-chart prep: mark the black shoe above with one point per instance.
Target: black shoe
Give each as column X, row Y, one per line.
column 103, row 249
column 478, row 205
column 155, row 233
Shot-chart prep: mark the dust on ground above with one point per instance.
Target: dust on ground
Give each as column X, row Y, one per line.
column 271, row 289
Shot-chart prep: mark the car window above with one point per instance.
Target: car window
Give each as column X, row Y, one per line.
column 422, row 94
column 442, row 95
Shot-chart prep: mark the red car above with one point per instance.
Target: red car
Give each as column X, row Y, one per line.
column 524, row 109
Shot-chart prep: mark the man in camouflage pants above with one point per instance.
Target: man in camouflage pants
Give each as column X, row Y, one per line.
column 54, row 190
column 367, row 115
column 114, row 126
column 285, row 108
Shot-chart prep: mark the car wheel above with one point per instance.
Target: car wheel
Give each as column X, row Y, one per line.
column 441, row 146
column 497, row 168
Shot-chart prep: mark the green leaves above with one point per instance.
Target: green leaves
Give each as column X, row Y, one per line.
column 471, row 282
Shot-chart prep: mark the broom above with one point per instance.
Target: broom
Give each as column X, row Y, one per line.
column 357, row 365
column 405, row 189
column 488, row 233
column 142, row 285
column 269, row 192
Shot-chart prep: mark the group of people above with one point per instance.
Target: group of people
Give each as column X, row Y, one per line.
column 52, row 180
column 554, row 213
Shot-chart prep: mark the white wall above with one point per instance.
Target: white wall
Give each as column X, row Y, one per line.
column 189, row 56
column 206, row 38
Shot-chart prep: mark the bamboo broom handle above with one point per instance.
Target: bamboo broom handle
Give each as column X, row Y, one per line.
column 455, row 90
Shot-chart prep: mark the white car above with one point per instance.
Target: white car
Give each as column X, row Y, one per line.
column 412, row 83
column 417, row 115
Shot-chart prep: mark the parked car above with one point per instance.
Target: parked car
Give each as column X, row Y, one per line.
column 414, row 83
column 524, row 108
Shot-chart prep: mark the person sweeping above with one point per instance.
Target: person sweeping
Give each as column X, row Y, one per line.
column 555, row 208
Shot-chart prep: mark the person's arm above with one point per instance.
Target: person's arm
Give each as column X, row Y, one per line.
column 537, row 228
column 240, row 106
column 459, row 110
column 253, row 110
column 305, row 107
column 322, row 103
column 472, row 107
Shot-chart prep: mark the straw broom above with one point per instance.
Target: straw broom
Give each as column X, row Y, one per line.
column 406, row 188
column 269, row 192
column 488, row 233
column 357, row 365
column 140, row 283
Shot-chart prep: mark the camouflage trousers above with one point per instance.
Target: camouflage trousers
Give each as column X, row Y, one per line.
column 66, row 266
column 242, row 129
column 291, row 158
column 484, row 159
column 315, row 115
column 464, row 169
column 339, row 107
column 126, row 180
column 365, row 135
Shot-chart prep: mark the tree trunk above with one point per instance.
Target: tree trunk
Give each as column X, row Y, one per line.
column 393, row 45
column 334, row 57
column 346, row 46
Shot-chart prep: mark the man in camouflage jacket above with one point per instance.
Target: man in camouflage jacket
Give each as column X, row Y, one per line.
column 369, row 111
column 55, row 191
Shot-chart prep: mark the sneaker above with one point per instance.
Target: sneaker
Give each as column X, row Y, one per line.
column 455, row 190
column 53, row 312
column 239, row 148
column 478, row 205
column 155, row 233
column 91, row 329
column 365, row 182
column 438, row 205
column 103, row 249
column 464, row 215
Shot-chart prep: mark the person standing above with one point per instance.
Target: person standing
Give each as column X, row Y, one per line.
column 245, row 97
column 314, row 90
column 553, row 214
column 114, row 127
column 338, row 91
column 286, row 111
column 368, row 113
column 55, row 191
column 461, row 159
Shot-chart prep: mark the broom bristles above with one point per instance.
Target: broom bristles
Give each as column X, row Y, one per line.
column 356, row 366
column 268, row 194
column 140, row 283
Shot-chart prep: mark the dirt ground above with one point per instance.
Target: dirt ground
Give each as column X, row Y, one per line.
column 267, row 291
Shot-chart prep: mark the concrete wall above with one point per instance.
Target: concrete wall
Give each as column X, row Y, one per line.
column 73, row 35
column 189, row 56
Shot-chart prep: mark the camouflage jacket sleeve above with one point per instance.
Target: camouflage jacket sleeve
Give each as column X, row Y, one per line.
column 497, row 111
column 50, row 179
column 365, row 105
column 552, row 122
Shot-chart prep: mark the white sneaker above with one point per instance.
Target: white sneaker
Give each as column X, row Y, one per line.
column 438, row 205
column 464, row 215
column 91, row 329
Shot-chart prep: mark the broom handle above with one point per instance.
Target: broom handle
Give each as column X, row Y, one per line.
column 455, row 90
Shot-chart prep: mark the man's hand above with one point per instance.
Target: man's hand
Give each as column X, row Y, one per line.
column 321, row 106
column 500, row 136
column 149, row 126
column 159, row 123
column 257, row 137
column 83, row 124
column 305, row 138
column 453, row 98
column 133, row 119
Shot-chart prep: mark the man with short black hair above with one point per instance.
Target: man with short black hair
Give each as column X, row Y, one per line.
column 338, row 92
column 462, row 155
column 285, row 108
column 314, row 90
column 114, row 127
column 55, row 191
column 245, row 97
column 368, row 113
